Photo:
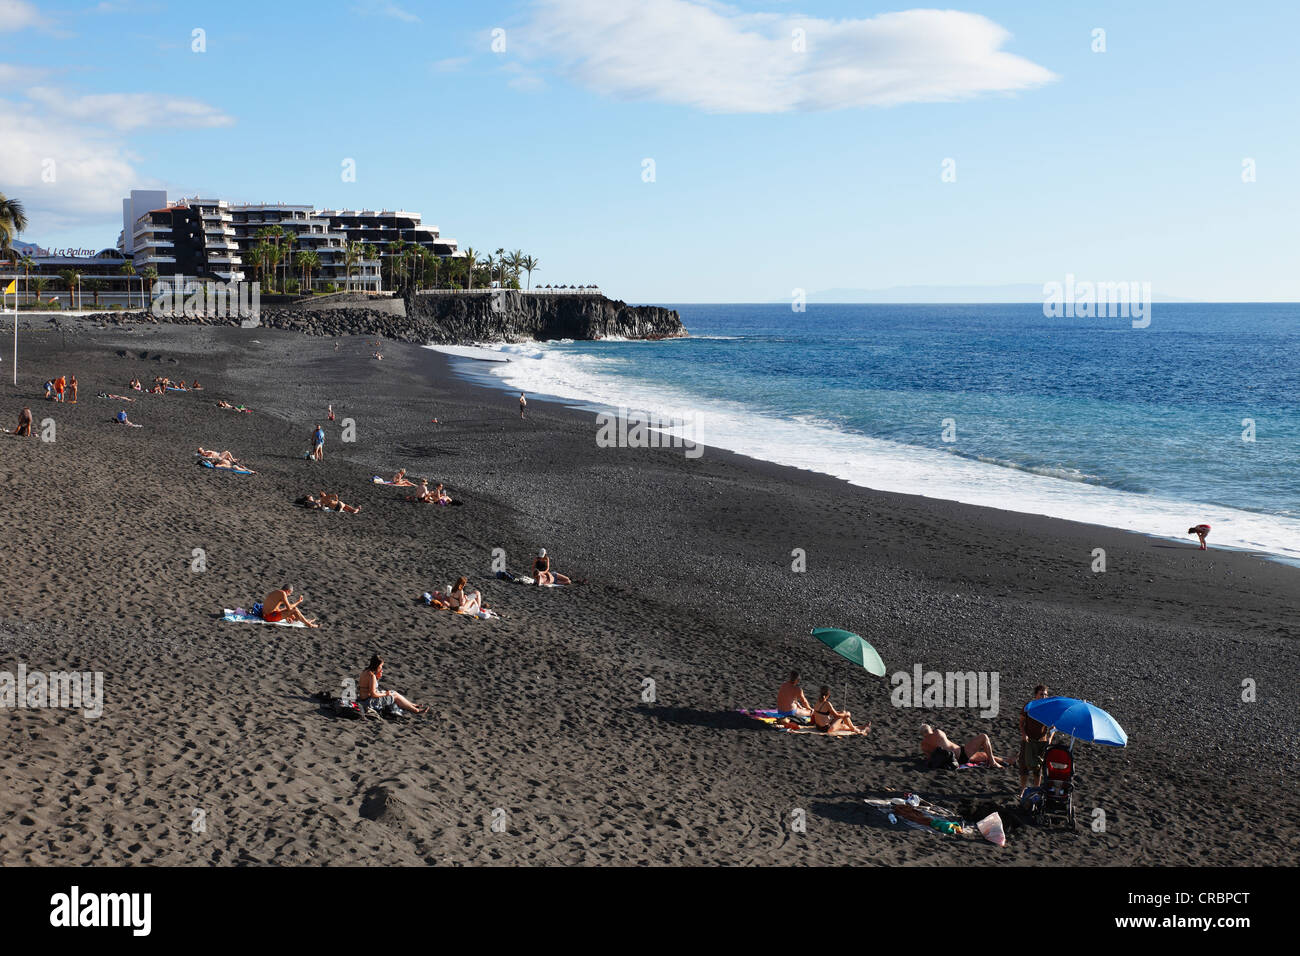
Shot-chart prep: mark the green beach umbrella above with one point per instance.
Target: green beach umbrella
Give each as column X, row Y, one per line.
column 852, row 648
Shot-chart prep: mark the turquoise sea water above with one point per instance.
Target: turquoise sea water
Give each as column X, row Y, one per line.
column 1089, row 419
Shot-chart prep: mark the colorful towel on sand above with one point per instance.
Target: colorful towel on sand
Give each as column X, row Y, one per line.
column 238, row 471
column 240, row 616
column 773, row 719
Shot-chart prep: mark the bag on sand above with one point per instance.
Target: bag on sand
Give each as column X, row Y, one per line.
column 942, row 759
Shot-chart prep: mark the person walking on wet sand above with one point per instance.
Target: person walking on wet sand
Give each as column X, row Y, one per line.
column 24, row 422
column 523, row 403
column 1201, row 531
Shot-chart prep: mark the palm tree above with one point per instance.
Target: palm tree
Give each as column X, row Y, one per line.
column 147, row 274
column 96, row 286
column 27, row 264
column 307, row 260
column 528, row 264
column 13, row 220
column 501, row 264
column 352, row 252
column 489, row 262
column 128, row 270
column 69, row 277
column 371, row 252
column 39, row 284
column 471, row 257
column 396, row 248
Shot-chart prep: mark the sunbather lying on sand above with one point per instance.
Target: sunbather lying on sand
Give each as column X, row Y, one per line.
column 826, row 717
column 978, row 750
column 238, row 408
column 331, row 501
column 222, row 459
column 372, row 699
column 278, row 607
column 465, row 603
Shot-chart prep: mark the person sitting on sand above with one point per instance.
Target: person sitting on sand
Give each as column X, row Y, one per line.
column 441, row 496
column 542, row 572
column 158, row 389
column 978, row 750
column 401, row 480
column 1201, row 531
column 826, row 717
column 121, row 419
column 422, row 493
column 136, row 386
column 465, row 603
column 372, row 699
column 791, row 702
column 277, row 607
column 24, row 422
column 196, row 386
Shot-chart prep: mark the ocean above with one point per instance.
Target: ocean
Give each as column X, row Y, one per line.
column 1192, row 419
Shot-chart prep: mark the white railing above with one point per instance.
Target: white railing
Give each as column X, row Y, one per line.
column 480, row 291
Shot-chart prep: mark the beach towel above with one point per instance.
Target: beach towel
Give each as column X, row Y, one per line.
column 439, row 600
column 523, row 579
column 775, row 718
column 238, row 471
column 240, row 616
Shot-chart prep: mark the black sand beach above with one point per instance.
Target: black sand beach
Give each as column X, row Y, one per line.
column 538, row 718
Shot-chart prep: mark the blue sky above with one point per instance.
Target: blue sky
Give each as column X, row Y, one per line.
column 775, row 169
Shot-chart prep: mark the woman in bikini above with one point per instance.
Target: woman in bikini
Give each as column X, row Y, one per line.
column 542, row 572
column 277, row 607
column 465, row 603
column 401, row 480
column 1201, row 531
column 372, row 699
column 827, row 718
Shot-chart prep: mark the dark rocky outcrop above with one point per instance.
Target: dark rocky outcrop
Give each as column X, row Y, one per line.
column 464, row 319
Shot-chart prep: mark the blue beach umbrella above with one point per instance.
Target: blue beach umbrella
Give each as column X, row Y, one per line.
column 1078, row 718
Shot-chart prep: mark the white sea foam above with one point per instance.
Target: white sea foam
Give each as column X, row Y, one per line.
column 820, row 446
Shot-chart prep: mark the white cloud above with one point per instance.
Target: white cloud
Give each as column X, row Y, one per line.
column 125, row 111
column 386, row 10
column 715, row 58
column 18, row 15
column 67, row 155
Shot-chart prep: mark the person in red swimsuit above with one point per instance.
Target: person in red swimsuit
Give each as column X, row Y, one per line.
column 277, row 607
column 1201, row 531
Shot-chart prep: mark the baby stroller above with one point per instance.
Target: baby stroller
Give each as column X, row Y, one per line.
column 1058, row 785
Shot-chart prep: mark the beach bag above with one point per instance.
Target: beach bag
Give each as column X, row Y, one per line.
column 941, row 759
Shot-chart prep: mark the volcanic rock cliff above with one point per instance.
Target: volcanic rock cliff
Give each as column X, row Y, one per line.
column 508, row 316
column 447, row 319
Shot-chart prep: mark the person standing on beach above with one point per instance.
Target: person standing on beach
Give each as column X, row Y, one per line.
column 330, row 416
column 318, row 444
column 73, row 384
column 1034, row 738
column 60, row 385
column 1201, row 531
column 523, row 403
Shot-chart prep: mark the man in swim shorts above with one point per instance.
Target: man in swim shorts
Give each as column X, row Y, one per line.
column 318, row 444
column 791, row 701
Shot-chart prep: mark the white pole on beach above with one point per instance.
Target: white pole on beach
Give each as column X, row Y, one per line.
column 15, row 340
